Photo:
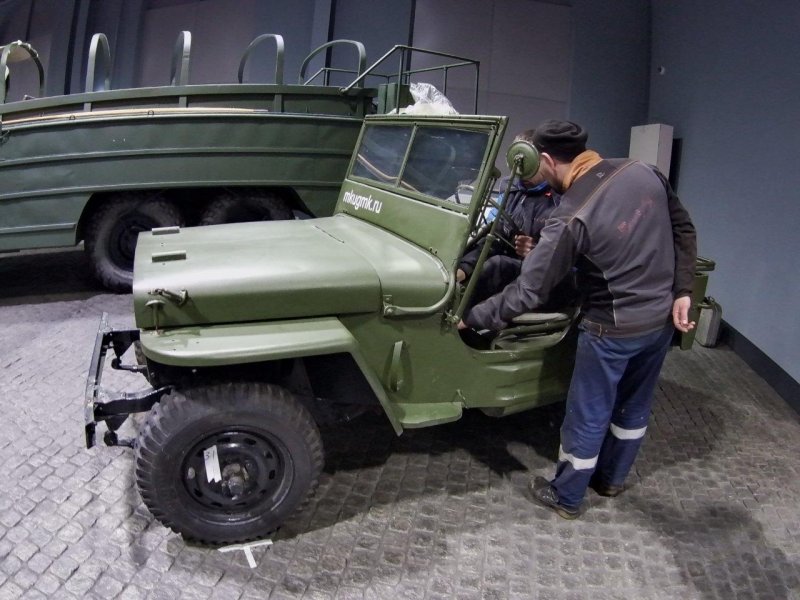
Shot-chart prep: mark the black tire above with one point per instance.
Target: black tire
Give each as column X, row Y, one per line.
column 269, row 449
column 242, row 206
column 112, row 231
column 138, row 353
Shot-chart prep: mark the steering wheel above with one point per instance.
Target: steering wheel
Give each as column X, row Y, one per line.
column 484, row 225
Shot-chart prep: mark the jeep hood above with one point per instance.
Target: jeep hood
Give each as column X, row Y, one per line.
column 277, row 270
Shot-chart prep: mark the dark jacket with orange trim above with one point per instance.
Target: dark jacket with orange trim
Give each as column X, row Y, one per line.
column 628, row 235
column 528, row 208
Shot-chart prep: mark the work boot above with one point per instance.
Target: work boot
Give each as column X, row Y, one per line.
column 545, row 494
column 605, row 489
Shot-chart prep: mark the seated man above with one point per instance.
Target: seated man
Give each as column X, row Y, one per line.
column 528, row 207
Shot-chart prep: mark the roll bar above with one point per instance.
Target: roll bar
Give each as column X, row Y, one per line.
column 279, row 55
column 180, row 59
column 362, row 61
column 14, row 52
column 98, row 72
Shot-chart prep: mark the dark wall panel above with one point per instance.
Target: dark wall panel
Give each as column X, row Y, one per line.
column 610, row 71
column 730, row 90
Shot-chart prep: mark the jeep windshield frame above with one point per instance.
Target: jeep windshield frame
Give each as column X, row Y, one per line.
column 432, row 161
column 436, row 206
column 429, row 160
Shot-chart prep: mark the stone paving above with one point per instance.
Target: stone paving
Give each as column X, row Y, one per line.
column 711, row 512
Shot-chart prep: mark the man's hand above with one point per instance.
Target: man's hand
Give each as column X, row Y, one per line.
column 460, row 275
column 680, row 314
column 462, row 325
column 523, row 244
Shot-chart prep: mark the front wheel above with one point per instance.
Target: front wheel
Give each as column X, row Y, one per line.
column 227, row 463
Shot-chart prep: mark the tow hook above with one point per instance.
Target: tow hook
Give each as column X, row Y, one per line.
column 178, row 298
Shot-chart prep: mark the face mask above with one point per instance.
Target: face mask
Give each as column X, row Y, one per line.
column 539, row 187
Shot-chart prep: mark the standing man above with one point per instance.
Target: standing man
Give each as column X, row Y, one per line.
column 634, row 247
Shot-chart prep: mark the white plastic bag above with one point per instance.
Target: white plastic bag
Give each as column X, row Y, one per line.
column 428, row 101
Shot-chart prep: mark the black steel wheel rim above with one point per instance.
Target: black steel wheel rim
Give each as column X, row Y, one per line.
column 123, row 237
column 255, row 474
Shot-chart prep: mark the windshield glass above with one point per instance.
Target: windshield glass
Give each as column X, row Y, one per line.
column 443, row 162
column 381, row 153
column 441, row 159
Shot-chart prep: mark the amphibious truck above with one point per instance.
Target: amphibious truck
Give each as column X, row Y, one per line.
column 101, row 166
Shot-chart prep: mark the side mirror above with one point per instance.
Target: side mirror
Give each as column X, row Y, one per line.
column 524, row 157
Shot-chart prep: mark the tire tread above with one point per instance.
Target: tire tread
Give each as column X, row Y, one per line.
column 180, row 408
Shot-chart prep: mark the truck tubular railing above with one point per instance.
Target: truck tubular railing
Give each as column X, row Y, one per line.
column 403, row 75
column 99, row 67
column 279, row 55
column 13, row 52
column 326, row 71
column 98, row 72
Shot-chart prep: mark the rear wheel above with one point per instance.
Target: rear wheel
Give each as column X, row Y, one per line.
column 241, row 206
column 112, row 232
column 227, row 463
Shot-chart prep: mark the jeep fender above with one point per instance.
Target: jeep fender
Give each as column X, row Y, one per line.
column 241, row 343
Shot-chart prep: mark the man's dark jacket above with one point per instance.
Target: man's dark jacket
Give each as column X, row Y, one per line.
column 528, row 210
column 631, row 240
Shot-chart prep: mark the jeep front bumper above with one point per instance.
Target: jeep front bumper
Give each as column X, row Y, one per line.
column 113, row 408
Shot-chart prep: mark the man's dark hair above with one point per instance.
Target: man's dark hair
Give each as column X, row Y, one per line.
column 563, row 140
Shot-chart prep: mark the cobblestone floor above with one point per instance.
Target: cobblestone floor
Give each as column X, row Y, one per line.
column 712, row 511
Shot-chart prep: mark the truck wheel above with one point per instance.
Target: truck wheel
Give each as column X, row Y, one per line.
column 242, row 206
column 268, row 461
column 112, row 231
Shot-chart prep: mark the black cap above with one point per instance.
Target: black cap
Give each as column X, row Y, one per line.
column 560, row 139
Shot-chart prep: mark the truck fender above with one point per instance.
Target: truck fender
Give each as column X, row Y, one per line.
column 242, row 343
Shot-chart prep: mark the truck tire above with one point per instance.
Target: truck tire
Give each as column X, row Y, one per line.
column 269, row 458
column 111, row 233
column 242, row 206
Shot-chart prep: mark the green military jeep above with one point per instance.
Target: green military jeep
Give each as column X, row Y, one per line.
column 247, row 349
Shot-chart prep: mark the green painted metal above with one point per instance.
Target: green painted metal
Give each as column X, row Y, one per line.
column 179, row 74
column 50, row 170
column 16, row 51
column 704, row 267
column 278, row 270
column 441, row 375
column 98, row 73
column 242, row 343
column 254, row 292
column 238, row 343
column 178, row 137
column 325, row 72
column 62, row 157
column 375, row 281
column 280, row 51
column 525, row 157
column 404, row 74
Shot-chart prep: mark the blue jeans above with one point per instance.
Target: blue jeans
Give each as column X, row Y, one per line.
column 608, row 406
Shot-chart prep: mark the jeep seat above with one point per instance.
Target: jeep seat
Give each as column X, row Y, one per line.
column 534, row 325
